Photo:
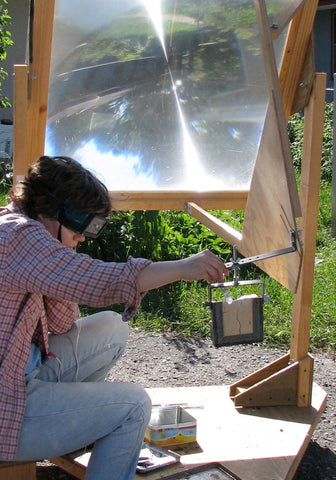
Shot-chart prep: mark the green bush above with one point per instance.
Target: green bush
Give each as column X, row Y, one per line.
column 5, row 41
column 295, row 132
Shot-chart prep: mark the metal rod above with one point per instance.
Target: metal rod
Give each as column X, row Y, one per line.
column 234, row 263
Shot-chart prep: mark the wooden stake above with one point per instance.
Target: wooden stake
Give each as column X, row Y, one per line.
column 310, row 185
column 39, row 77
column 20, row 121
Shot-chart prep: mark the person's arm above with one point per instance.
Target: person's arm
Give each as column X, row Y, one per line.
column 202, row 266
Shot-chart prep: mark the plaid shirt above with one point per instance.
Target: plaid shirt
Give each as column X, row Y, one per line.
column 42, row 282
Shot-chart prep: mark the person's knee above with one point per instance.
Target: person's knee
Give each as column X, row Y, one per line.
column 147, row 402
column 108, row 325
column 144, row 403
column 115, row 326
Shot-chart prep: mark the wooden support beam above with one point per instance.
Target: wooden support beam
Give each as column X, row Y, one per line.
column 176, row 200
column 306, row 80
column 20, row 121
column 262, row 373
column 282, row 19
column 305, row 382
column 276, row 384
column 295, row 53
column 68, row 464
column 39, row 77
column 278, row 389
column 217, row 226
column 310, row 186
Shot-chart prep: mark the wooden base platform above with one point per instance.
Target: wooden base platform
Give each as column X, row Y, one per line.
column 256, row 443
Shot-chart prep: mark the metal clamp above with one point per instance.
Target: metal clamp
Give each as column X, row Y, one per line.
column 236, row 262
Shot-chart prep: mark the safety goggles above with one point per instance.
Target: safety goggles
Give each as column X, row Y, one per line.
column 87, row 224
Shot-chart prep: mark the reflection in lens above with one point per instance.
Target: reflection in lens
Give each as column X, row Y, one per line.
column 160, row 95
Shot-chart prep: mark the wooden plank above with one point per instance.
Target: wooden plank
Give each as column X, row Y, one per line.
column 277, row 389
column 20, row 121
column 282, row 19
column 261, row 374
column 310, row 185
column 67, row 464
column 177, row 200
column 295, row 52
column 305, row 382
column 275, row 381
column 295, row 462
column 17, row 471
column 306, row 79
column 39, row 77
column 219, row 227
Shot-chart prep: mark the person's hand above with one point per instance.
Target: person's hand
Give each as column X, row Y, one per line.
column 203, row 266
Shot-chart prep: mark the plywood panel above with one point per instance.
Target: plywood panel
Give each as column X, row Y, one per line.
column 269, row 216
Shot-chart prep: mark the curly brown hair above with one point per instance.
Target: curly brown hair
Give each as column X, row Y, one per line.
column 53, row 181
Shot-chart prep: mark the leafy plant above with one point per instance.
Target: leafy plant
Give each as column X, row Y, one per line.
column 5, row 41
column 295, row 132
column 6, row 175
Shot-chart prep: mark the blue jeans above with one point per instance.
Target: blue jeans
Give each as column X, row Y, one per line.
column 69, row 406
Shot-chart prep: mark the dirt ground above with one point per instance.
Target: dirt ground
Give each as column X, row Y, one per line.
column 160, row 361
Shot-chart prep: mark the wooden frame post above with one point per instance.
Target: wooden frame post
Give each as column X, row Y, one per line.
column 309, row 193
column 39, row 77
column 20, row 121
column 310, row 185
column 31, row 85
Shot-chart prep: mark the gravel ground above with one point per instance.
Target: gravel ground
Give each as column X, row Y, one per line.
column 160, row 360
